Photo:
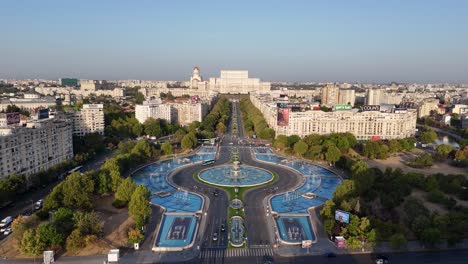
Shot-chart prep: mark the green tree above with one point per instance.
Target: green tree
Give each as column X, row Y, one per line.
column 103, row 183
column 63, row 219
column 443, row 150
column 281, row 142
column 300, row 147
column 333, row 154
column 125, row 190
column 220, row 128
column 75, row 241
column 142, row 150
column 398, row 241
column 49, row 236
column 139, row 98
column 371, row 149
column 292, row 140
column 135, row 235
column 126, row 146
column 431, row 236
column 189, row 141
column 88, row 223
column 166, row 148
column 179, row 135
column 346, row 189
column 153, row 127
column 77, row 191
column 428, row 136
column 139, row 207
column 30, row 244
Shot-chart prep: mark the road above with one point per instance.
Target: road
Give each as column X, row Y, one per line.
column 443, row 131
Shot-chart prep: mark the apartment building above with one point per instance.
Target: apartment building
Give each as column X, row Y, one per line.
column 90, row 119
column 35, row 146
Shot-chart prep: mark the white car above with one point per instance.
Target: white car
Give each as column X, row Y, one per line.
column 7, row 231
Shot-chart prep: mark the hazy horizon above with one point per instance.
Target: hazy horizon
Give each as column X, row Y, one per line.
column 295, row 41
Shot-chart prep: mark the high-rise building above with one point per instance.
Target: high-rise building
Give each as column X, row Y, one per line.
column 330, row 94
column 187, row 112
column 154, row 109
column 69, row 82
column 90, row 119
column 373, row 96
column 347, row 96
column 34, row 147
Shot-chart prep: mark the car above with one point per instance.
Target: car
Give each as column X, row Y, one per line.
column 382, row 260
column 267, row 259
column 7, row 231
column 6, row 221
column 215, row 236
column 223, row 228
column 216, row 193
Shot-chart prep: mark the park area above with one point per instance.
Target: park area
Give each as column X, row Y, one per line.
column 401, row 160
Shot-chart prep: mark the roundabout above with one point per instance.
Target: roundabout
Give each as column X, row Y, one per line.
column 235, row 176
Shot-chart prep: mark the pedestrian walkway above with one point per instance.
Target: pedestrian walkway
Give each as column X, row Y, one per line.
column 236, row 252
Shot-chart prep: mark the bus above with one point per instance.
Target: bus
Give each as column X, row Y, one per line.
column 75, row 169
column 208, row 162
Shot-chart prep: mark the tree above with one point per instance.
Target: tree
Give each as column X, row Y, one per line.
column 166, row 148
column 300, row 147
column 371, row 149
column 189, row 141
column 63, row 219
column 443, row 150
column 75, row 241
column 126, row 146
column 179, row 135
column 139, row 98
column 125, row 190
column 431, row 236
column 292, row 140
column 346, row 189
column 281, row 142
column 30, row 243
column 77, row 191
column 142, row 150
column 220, row 128
column 103, row 183
column 460, row 155
column 398, row 241
column 153, row 127
column 333, row 154
column 139, row 207
column 428, row 136
column 135, row 235
column 49, row 236
column 88, row 223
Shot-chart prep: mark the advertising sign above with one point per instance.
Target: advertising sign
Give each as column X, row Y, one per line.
column 375, row 138
column 340, row 107
column 13, row 118
column 401, row 110
column 283, row 117
column 43, row 114
column 342, row 216
column 371, row 108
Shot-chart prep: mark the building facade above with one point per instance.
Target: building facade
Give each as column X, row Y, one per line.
column 237, row 82
column 90, row 119
column 365, row 125
column 330, row 94
column 34, row 147
column 154, row 109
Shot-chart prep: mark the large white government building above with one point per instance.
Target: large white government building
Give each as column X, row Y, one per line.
column 35, row 146
column 229, row 82
column 364, row 125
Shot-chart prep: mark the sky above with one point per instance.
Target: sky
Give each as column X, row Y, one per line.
column 329, row 40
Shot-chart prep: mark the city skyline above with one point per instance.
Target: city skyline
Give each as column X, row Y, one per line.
column 366, row 41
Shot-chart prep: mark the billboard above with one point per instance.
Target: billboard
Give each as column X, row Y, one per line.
column 371, row 108
column 340, row 107
column 43, row 114
column 283, row 117
column 375, row 138
column 342, row 216
column 13, row 118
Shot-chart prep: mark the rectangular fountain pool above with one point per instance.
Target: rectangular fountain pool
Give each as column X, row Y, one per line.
column 176, row 231
column 294, row 229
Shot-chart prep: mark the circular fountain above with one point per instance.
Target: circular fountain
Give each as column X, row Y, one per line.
column 235, row 175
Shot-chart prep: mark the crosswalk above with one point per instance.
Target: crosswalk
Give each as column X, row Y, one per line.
column 236, row 252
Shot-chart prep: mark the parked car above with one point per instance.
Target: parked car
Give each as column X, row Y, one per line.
column 7, row 231
column 382, row 260
column 6, row 222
